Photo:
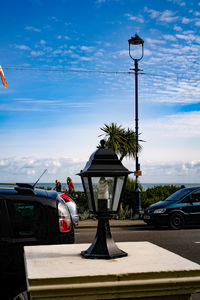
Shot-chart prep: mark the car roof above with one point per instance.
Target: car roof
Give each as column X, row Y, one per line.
column 193, row 188
column 25, row 189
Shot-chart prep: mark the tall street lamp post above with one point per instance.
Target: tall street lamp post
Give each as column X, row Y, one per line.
column 135, row 41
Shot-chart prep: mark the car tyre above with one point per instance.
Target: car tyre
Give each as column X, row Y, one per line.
column 176, row 221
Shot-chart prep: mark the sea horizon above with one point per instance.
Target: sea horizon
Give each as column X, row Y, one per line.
column 79, row 187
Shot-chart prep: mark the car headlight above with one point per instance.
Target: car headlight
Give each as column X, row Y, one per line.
column 159, row 211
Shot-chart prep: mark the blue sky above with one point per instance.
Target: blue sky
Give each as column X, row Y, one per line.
column 53, row 108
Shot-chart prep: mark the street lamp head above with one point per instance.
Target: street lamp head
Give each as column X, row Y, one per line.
column 104, row 178
column 135, row 41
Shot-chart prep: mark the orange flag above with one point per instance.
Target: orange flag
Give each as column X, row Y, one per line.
column 2, row 77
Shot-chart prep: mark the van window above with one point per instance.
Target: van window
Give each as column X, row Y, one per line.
column 196, row 196
column 25, row 218
column 192, row 198
column 178, row 194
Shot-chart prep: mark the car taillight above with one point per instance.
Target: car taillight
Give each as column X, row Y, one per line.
column 65, row 225
column 64, row 218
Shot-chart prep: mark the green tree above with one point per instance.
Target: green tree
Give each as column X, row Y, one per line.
column 121, row 140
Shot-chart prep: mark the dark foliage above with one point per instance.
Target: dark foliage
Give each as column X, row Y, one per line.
column 148, row 197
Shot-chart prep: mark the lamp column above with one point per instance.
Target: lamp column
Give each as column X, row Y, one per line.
column 137, row 165
column 137, row 193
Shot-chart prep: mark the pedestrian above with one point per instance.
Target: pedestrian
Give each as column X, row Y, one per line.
column 70, row 185
column 58, row 186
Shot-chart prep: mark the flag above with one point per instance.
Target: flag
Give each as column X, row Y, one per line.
column 2, row 77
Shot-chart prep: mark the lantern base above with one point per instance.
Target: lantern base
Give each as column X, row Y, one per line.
column 103, row 246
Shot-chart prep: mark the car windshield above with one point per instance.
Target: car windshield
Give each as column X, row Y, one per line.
column 178, row 195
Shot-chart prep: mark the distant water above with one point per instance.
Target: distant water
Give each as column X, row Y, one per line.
column 151, row 185
column 79, row 187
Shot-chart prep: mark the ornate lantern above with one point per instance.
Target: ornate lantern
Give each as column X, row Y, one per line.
column 104, row 178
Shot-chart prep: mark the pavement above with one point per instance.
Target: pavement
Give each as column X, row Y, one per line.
column 90, row 223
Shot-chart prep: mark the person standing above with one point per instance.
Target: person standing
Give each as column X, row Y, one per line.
column 58, row 186
column 70, row 185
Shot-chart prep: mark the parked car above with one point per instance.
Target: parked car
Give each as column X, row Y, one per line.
column 179, row 209
column 72, row 208
column 28, row 216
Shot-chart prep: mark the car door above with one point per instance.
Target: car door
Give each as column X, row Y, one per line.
column 191, row 207
column 5, row 246
column 26, row 218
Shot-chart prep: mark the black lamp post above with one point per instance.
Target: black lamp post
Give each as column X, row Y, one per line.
column 104, row 178
column 136, row 40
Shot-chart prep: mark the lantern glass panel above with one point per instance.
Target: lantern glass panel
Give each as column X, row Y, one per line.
column 87, row 190
column 118, row 191
column 103, row 191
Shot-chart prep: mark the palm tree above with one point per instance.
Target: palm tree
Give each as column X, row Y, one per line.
column 122, row 141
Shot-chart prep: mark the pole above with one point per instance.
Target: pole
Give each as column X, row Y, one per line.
column 136, row 40
column 137, row 204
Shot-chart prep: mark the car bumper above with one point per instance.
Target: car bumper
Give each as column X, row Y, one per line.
column 75, row 219
column 156, row 219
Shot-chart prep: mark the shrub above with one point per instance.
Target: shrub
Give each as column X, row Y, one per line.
column 157, row 193
column 148, row 197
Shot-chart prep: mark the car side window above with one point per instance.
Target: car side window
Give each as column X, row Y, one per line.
column 195, row 197
column 192, row 198
column 186, row 200
column 25, row 218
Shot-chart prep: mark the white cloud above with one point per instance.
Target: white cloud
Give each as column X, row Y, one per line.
column 28, row 104
column 165, row 16
column 179, row 2
column 185, row 20
column 171, row 172
column 169, row 37
column 177, row 28
column 31, row 28
column 123, row 52
column 168, row 16
column 37, row 53
column 154, row 41
column 139, row 19
column 197, row 23
column 22, row 47
column 182, row 125
column 28, row 169
column 187, row 37
column 86, row 48
column 153, row 13
column 85, row 58
column 171, row 149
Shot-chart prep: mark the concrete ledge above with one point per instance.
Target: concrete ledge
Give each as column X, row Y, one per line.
column 149, row 272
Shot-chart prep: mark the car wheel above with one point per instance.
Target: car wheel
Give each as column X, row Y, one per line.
column 176, row 221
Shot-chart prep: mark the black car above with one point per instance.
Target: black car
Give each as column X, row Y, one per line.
column 179, row 209
column 28, row 216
